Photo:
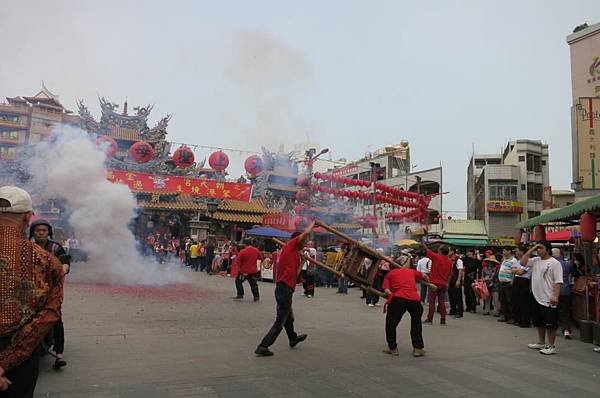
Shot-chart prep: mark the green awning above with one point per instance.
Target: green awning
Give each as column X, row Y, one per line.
column 567, row 213
column 466, row 242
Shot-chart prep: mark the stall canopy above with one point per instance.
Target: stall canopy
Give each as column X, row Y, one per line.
column 268, row 232
column 467, row 242
column 565, row 214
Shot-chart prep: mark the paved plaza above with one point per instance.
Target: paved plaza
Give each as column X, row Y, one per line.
column 194, row 341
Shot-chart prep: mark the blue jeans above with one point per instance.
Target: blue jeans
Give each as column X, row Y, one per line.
column 342, row 285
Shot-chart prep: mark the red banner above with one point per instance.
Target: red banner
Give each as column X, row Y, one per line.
column 174, row 184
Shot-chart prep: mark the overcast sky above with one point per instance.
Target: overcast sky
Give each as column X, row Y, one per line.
column 352, row 75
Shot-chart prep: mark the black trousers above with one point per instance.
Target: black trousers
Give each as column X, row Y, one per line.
column 308, row 281
column 395, row 311
column 59, row 337
column 23, row 377
column 372, row 298
column 505, row 296
column 470, row 298
column 564, row 312
column 252, row 281
column 456, row 299
column 284, row 318
column 521, row 301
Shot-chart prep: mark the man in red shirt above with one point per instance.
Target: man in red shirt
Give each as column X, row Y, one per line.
column 287, row 279
column 400, row 285
column 246, row 263
column 441, row 269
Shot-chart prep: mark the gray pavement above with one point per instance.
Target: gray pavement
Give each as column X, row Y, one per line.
column 119, row 345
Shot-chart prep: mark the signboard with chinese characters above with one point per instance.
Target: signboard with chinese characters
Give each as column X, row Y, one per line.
column 281, row 221
column 587, row 114
column 547, row 198
column 344, row 171
column 504, row 206
column 175, row 184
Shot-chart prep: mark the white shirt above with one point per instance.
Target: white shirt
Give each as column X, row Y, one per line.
column 424, row 265
column 312, row 253
column 459, row 264
column 544, row 275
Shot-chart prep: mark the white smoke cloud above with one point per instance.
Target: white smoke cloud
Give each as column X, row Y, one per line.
column 70, row 167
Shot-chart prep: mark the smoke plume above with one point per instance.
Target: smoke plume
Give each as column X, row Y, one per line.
column 71, row 167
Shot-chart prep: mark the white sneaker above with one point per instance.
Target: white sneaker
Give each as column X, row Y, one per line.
column 377, row 305
column 308, row 296
column 536, row 346
column 596, row 349
column 371, row 305
column 567, row 334
column 548, row 350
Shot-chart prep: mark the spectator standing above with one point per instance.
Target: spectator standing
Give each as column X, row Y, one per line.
column 472, row 266
column 505, row 277
column 546, row 281
column 441, row 268
column 35, row 279
column 455, row 293
column 424, row 267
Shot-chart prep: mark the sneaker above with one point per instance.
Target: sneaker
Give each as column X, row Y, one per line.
column 596, row 349
column 263, row 351
column 299, row 339
column 418, row 352
column 536, row 346
column 457, row 316
column 256, row 298
column 427, row 322
column 502, row 319
column 59, row 363
column 371, row 305
column 548, row 350
column 510, row 322
column 443, row 321
column 486, row 313
column 377, row 305
column 392, row 351
column 567, row 334
column 309, row 296
column 238, row 298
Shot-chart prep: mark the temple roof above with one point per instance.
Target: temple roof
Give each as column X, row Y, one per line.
column 124, row 133
column 44, row 96
column 238, row 217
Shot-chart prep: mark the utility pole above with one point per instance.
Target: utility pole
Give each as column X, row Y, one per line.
column 374, row 173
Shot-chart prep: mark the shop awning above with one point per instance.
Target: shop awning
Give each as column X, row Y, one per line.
column 268, row 232
column 567, row 213
column 466, row 242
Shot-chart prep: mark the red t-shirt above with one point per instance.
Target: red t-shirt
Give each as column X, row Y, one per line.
column 441, row 268
column 403, row 283
column 246, row 260
column 289, row 263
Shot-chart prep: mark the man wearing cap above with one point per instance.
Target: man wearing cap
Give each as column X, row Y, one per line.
column 30, row 295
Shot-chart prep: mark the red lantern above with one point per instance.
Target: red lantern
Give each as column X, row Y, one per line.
column 218, row 161
column 253, row 165
column 302, row 181
column 183, row 157
column 518, row 237
column 108, row 145
column 141, row 152
column 301, row 222
column 587, row 225
column 539, row 233
column 301, row 196
column 317, row 175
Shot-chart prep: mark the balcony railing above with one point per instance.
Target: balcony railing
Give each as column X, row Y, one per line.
column 13, row 124
column 4, row 108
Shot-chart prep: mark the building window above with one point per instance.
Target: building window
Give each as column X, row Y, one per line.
column 521, row 158
column 543, row 162
column 523, row 187
column 502, row 190
column 535, row 191
column 534, row 163
column 531, row 214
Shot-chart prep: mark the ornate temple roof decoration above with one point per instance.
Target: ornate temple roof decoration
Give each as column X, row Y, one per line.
column 128, row 129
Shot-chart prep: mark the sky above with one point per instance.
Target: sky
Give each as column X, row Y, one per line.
column 448, row 76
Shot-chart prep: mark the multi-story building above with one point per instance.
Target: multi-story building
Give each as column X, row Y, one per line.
column 391, row 166
column 584, row 45
column 27, row 120
column 505, row 193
